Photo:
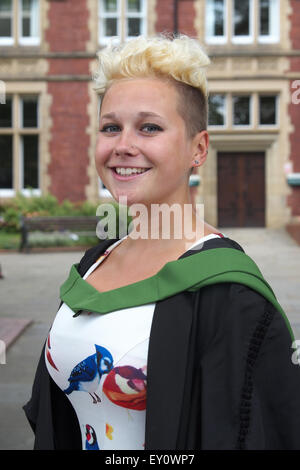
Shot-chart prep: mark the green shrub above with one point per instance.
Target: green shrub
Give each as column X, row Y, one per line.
column 47, row 205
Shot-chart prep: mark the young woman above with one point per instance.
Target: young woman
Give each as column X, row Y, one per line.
column 153, row 347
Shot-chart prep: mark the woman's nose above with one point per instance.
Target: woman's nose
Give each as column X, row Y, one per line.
column 125, row 146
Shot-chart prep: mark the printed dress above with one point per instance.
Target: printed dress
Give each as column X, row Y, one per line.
column 100, row 363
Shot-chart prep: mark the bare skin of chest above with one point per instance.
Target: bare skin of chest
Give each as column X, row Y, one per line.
column 113, row 273
column 122, row 268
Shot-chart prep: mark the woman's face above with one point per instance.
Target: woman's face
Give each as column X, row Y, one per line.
column 140, row 128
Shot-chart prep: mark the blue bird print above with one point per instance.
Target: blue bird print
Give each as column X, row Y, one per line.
column 86, row 376
column 91, row 438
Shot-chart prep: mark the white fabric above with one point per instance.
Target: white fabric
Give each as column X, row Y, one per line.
column 115, row 422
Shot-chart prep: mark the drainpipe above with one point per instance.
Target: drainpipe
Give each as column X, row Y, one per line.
column 175, row 16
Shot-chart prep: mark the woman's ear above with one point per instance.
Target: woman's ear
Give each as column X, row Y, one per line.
column 199, row 148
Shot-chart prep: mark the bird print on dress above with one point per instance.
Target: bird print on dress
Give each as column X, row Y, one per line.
column 86, row 376
column 48, row 354
column 126, row 386
column 91, row 438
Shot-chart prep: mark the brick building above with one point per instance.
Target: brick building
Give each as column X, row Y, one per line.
column 48, row 124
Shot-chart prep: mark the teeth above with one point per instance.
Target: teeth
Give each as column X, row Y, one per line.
column 130, row 171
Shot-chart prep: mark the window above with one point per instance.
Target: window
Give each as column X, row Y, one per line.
column 6, row 160
column 268, row 21
column 6, row 22
column 241, row 110
column 19, row 22
column 6, row 148
column 242, row 23
column 238, row 18
column 29, row 22
column 215, row 21
column 19, row 135
column 268, row 110
column 217, row 110
column 122, row 19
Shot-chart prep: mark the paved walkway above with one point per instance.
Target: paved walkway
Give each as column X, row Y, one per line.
column 30, row 290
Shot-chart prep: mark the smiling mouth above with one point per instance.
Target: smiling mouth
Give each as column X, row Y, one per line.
column 129, row 172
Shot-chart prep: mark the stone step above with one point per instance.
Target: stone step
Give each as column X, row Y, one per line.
column 11, row 328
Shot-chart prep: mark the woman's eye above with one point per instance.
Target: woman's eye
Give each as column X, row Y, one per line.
column 151, row 128
column 110, row 128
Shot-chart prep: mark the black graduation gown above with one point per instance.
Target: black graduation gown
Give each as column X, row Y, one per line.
column 220, row 374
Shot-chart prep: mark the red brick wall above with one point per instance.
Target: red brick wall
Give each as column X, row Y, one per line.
column 294, row 107
column 68, row 32
column 68, row 26
column 295, row 24
column 70, row 142
column 165, row 16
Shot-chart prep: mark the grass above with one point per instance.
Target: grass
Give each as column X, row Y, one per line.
column 11, row 241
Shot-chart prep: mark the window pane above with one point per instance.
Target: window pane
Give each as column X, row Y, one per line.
column 134, row 26
column 216, row 110
column 110, row 26
column 110, row 5
column 5, row 5
column 5, row 27
column 241, row 110
column 264, row 17
column 6, row 113
column 218, row 18
column 30, row 118
column 215, row 18
column 30, row 161
column 267, row 110
column 241, row 18
column 26, row 5
column 6, row 161
column 26, row 27
column 30, row 18
column 134, row 6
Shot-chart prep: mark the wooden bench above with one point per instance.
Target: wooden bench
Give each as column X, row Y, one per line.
column 82, row 225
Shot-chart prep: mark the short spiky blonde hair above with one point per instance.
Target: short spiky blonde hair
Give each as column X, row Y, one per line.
column 178, row 59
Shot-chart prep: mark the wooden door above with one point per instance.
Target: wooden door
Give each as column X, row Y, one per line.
column 241, row 189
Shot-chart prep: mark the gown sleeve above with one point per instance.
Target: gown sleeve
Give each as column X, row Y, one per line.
column 276, row 387
column 245, row 383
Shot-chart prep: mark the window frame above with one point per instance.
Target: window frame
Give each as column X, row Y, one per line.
column 122, row 15
column 243, row 39
column 31, row 40
column 226, row 100
column 18, row 131
column 103, row 15
column 28, row 131
column 254, row 25
column 270, row 38
column 212, row 39
column 9, row 40
column 142, row 15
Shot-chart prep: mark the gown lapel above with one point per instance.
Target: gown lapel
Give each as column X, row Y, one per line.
column 167, row 364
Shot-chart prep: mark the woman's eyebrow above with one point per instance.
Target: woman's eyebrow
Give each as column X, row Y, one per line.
column 141, row 114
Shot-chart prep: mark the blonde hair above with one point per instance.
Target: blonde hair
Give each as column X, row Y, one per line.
column 179, row 59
